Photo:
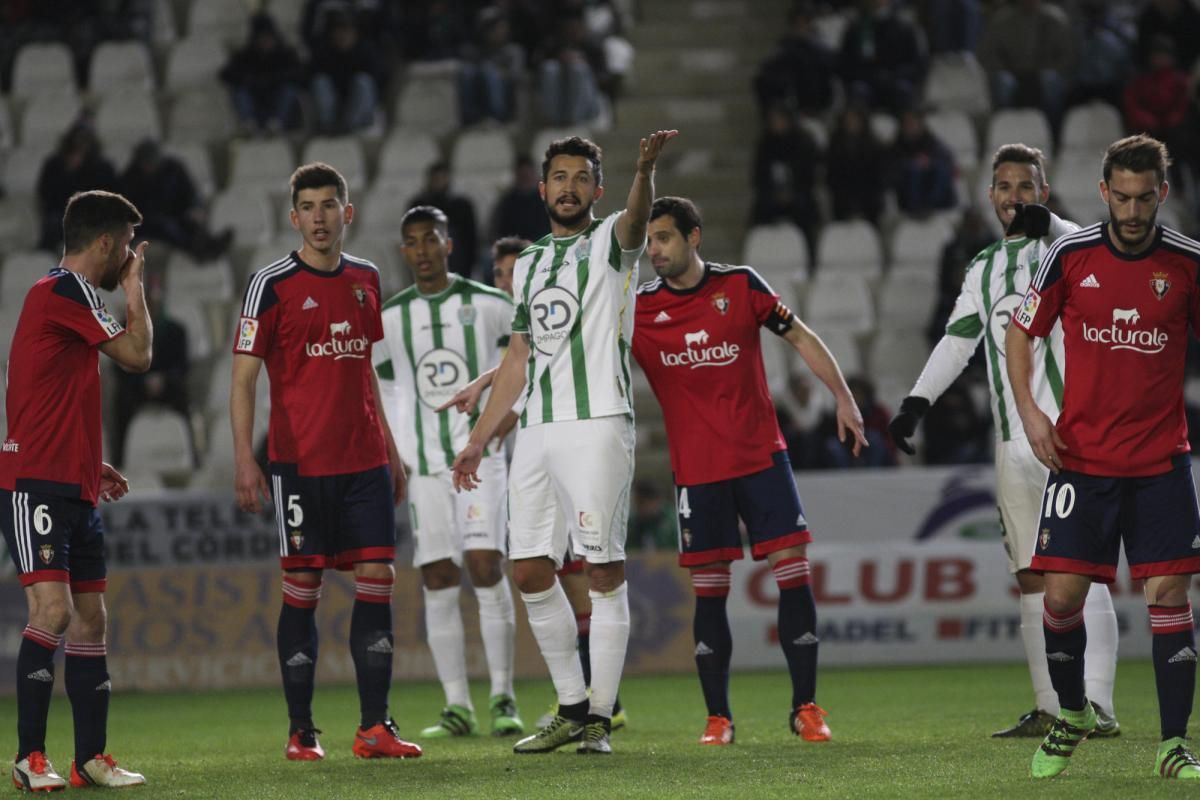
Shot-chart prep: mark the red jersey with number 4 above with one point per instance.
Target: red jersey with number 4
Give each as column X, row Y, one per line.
column 53, row 445
column 314, row 330
column 1125, row 323
column 701, row 350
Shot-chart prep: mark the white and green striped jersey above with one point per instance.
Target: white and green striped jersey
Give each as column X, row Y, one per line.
column 995, row 284
column 575, row 299
column 432, row 346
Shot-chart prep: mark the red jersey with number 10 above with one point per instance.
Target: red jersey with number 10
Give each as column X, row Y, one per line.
column 53, row 444
column 701, row 351
column 1125, row 323
column 314, row 330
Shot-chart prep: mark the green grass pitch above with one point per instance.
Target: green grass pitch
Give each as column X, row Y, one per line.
column 900, row 732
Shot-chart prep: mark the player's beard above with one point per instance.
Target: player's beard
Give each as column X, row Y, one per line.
column 569, row 222
column 1118, row 227
column 111, row 278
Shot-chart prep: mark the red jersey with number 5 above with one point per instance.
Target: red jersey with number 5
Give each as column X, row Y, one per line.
column 1125, row 322
column 314, row 330
column 701, row 351
column 53, row 444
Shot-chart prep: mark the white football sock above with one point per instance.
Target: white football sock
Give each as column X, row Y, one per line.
column 553, row 626
column 1034, row 638
column 498, row 626
column 609, row 640
column 1100, row 657
column 444, row 632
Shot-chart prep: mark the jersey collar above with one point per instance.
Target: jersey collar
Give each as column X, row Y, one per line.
column 450, row 288
column 693, row 290
column 320, row 273
column 1104, row 234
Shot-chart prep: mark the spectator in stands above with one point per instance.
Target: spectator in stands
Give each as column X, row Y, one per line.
column 800, row 411
column 1179, row 19
column 520, row 211
column 459, row 210
column 855, row 167
column 880, row 452
column 786, row 159
column 491, row 70
column 799, row 73
column 432, row 31
column 572, row 69
column 1156, row 101
column 1105, row 56
column 653, row 524
column 347, row 73
column 164, row 384
column 264, row 80
column 504, row 259
column 882, row 61
column 76, row 166
column 174, row 210
column 952, row 26
column 921, row 168
column 971, row 236
column 1027, row 49
column 956, row 431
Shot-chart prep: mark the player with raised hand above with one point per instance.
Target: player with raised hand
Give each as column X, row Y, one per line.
column 1127, row 294
column 995, row 282
column 697, row 338
column 438, row 334
column 336, row 476
column 52, row 475
column 570, row 355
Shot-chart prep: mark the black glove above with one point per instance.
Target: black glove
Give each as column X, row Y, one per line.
column 904, row 424
column 1033, row 220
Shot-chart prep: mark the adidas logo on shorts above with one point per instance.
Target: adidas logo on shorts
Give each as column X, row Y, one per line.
column 1060, row 656
column 1186, row 654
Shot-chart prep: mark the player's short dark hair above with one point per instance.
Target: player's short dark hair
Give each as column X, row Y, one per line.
column 575, row 146
column 318, row 175
column 509, row 246
column 1020, row 154
column 681, row 210
column 90, row 215
column 1137, row 153
column 426, row 214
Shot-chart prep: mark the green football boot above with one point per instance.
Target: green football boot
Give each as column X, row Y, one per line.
column 559, row 732
column 505, row 719
column 455, row 721
column 1175, row 760
column 1054, row 754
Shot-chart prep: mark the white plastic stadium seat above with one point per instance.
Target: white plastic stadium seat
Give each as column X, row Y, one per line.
column 844, row 347
column 430, row 104
column 405, row 155
column 906, row 301
column 957, row 132
column 43, row 67
column 1075, row 182
column 196, row 159
column 247, row 211
column 48, row 115
column 543, row 138
column 483, row 152
column 1089, row 129
column 839, row 301
column 778, row 251
column 898, row 355
column 225, row 19
column 23, row 165
column 191, row 282
column 157, row 441
column 19, row 226
column 850, row 247
column 22, row 270
column 483, row 191
column 260, row 164
column 201, row 114
column 129, row 116
column 195, row 61
column 164, row 29
column 956, row 81
column 120, row 67
column 194, row 320
column 382, row 206
column 344, row 153
column 917, row 245
column 8, row 130
column 1025, row 125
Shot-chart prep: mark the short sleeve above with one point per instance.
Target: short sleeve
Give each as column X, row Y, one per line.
column 520, row 319
column 81, row 311
column 375, row 318
column 619, row 259
column 1043, row 301
column 255, row 328
column 769, row 309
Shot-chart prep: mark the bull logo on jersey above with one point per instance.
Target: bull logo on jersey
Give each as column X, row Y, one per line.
column 339, row 327
column 721, row 303
column 339, row 346
column 46, row 553
column 297, row 538
column 360, row 294
column 697, row 353
column 1125, row 335
column 440, row 373
column 698, row 338
column 1160, row 284
column 553, row 312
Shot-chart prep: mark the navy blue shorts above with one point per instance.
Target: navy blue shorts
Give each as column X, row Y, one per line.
column 54, row 538
column 333, row 520
column 1085, row 518
column 766, row 501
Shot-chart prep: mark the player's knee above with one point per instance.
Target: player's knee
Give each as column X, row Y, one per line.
column 1169, row 590
column 533, row 575
column 51, row 616
column 484, row 567
column 90, row 625
column 302, row 589
column 442, row 574
column 606, row 578
column 1061, row 600
column 711, row 581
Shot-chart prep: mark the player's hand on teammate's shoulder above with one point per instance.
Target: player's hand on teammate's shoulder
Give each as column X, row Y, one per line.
column 250, row 486
column 850, row 421
column 113, row 485
column 651, row 147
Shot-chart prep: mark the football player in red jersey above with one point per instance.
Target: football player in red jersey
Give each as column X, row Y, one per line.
column 335, row 474
column 51, row 476
column 697, row 339
column 1128, row 294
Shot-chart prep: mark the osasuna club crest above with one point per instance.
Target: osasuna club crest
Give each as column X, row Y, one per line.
column 360, row 294
column 1160, row 284
column 1044, row 539
column 297, row 538
column 46, row 553
column 720, row 302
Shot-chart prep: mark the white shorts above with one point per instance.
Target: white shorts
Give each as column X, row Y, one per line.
column 580, row 470
column 445, row 522
column 1020, row 483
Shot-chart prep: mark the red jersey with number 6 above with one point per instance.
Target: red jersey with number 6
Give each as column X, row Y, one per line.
column 53, row 444
column 314, row 330
column 701, row 351
column 1125, row 322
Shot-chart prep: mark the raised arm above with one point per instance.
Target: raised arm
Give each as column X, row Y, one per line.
column 133, row 351
column 631, row 226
